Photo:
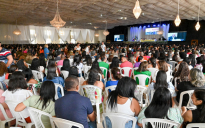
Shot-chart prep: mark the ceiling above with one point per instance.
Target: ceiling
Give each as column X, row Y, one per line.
column 91, row 13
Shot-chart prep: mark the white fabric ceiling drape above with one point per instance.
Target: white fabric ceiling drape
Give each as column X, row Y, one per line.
column 139, row 32
column 41, row 35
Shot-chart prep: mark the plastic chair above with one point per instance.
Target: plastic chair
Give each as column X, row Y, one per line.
column 139, row 91
column 189, row 104
column 65, row 74
column 56, row 89
column 62, row 123
column 71, row 62
column 134, row 70
column 1, row 86
column 59, row 67
column 35, row 74
column 142, row 78
column 104, row 70
column 90, row 92
column 33, row 88
column 160, row 123
column 126, row 71
column 173, row 63
column 175, row 81
column 6, row 81
column 19, row 118
column 29, row 65
column 35, row 116
column 85, row 70
column 119, row 120
column 170, row 78
column 198, row 125
column 112, row 88
column 153, row 71
column 7, row 119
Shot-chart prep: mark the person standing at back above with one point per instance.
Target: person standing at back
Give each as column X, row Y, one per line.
column 103, row 46
column 75, row 110
column 46, row 51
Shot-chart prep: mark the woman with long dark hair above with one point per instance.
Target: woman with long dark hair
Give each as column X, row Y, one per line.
column 45, row 102
column 42, row 60
column 198, row 115
column 160, row 107
column 182, row 72
column 122, row 100
column 52, row 76
column 96, row 66
column 152, row 63
column 66, row 65
column 115, row 63
column 29, row 76
column 161, row 81
column 35, row 65
column 78, row 64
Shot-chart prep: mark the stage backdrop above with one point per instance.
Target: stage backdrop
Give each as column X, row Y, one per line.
column 139, row 32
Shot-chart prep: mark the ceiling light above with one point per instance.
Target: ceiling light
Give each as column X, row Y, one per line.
column 57, row 21
column 97, row 35
column 137, row 10
column 17, row 31
column 71, row 22
column 197, row 24
column 120, row 10
column 101, row 15
column 177, row 20
column 106, row 32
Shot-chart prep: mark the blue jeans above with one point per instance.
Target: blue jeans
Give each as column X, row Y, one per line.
column 127, row 125
column 92, row 124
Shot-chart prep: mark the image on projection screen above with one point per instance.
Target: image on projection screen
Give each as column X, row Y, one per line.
column 151, row 31
column 118, row 37
column 177, row 36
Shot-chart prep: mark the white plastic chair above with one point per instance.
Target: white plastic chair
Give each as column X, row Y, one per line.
column 175, row 81
column 200, row 67
column 112, row 88
column 7, row 119
column 85, row 70
column 1, row 86
column 34, row 89
column 89, row 91
column 65, row 74
column 59, row 67
column 104, row 70
column 139, row 91
column 35, row 116
column 29, row 65
column 71, row 62
column 198, row 125
column 189, row 104
column 160, row 123
column 142, row 79
column 173, row 63
column 19, row 118
column 134, row 69
column 56, row 89
column 6, row 81
column 36, row 75
column 126, row 71
column 153, row 71
column 62, row 123
column 170, row 78
column 119, row 120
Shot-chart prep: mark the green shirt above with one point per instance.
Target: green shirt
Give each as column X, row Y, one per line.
column 148, row 73
column 105, row 65
column 34, row 102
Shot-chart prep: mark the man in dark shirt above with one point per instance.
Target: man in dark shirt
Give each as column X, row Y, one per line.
column 75, row 107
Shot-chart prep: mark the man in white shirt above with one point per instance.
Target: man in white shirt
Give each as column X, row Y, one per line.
column 87, row 50
column 103, row 47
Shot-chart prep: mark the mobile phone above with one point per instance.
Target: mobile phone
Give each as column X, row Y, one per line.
column 30, row 87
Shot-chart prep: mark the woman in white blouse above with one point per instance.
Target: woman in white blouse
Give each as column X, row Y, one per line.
column 17, row 91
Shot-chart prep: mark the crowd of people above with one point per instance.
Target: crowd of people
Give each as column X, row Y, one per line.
column 18, row 62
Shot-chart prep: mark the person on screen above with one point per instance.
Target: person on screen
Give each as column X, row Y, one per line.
column 173, row 37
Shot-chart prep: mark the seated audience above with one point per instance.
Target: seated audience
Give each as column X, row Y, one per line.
column 21, row 63
column 143, row 70
column 196, row 81
column 17, row 92
column 51, row 76
column 182, row 73
column 75, row 110
column 115, row 63
column 115, row 77
column 103, row 63
column 29, row 76
column 197, row 115
column 12, row 69
column 140, row 59
column 74, row 72
column 152, row 63
column 66, row 65
column 44, row 102
column 60, row 62
column 160, row 107
column 78, row 64
column 126, row 63
column 123, row 101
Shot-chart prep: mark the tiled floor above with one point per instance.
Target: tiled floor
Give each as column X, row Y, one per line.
column 99, row 125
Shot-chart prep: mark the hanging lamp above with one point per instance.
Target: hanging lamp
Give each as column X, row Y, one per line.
column 17, row 31
column 57, row 21
column 106, row 32
column 177, row 20
column 137, row 10
column 197, row 24
column 160, row 32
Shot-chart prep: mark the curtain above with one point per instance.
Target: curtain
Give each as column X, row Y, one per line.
column 63, row 33
column 76, row 33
